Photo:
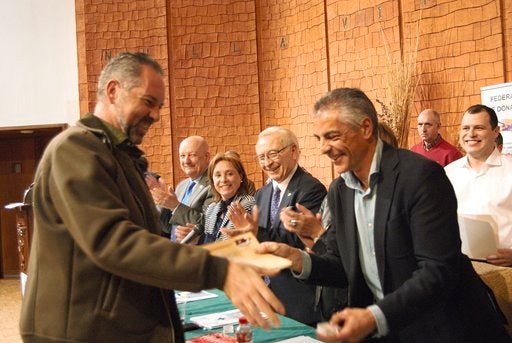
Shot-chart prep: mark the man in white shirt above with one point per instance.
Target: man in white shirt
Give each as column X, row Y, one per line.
column 483, row 178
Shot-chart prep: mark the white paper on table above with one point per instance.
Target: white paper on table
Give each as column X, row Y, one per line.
column 300, row 339
column 479, row 235
column 182, row 297
column 217, row 320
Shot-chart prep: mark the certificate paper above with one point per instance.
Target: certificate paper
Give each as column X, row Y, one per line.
column 217, row 320
column 242, row 248
column 182, row 297
column 300, row 339
column 479, row 236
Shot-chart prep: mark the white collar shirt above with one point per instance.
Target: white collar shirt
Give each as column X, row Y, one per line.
column 364, row 207
column 284, row 185
column 487, row 191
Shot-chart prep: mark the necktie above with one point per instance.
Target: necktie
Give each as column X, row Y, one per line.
column 274, row 205
column 185, row 201
column 186, row 196
column 274, row 213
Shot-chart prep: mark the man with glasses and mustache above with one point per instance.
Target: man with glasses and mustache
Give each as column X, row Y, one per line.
column 277, row 152
column 99, row 269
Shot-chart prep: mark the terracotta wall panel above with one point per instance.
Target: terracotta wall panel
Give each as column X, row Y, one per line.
column 236, row 67
column 469, row 46
column 109, row 28
column 215, row 77
column 293, row 72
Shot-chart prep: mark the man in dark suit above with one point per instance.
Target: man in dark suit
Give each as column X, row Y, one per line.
column 277, row 151
column 394, row 239
column 185, row 205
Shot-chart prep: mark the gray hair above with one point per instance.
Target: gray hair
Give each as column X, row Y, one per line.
column 126, row 68
column 286, row 135
column 352, row 106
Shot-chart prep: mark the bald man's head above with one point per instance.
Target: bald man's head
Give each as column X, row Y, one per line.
column 429, row 123
column 194, row 156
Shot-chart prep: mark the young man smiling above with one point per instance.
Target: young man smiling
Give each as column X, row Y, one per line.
column 483, row 178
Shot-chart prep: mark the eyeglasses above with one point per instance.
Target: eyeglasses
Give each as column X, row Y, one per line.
column 271, row 155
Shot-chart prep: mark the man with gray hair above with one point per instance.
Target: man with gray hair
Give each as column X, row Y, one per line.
column 394, row 239
column 99, row 269
column 277, row 152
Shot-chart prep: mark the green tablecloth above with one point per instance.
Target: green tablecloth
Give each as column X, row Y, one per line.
column 289, row 327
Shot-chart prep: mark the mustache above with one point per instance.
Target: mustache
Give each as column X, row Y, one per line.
column 144, row 120
column 147, row 120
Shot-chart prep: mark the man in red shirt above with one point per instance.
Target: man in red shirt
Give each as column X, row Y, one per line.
column 432, row 145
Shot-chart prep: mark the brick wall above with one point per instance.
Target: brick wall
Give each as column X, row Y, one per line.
column 461, row 50
column 216, row 95
column 235, row 67
column 106, row 28
column 292, row 65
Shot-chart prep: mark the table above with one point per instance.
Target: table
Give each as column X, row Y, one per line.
column 499, row 279
column 289, row 327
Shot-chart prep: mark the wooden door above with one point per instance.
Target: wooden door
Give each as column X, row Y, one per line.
column 19, row 154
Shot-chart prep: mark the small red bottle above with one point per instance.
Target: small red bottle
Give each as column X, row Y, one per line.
column 243, row 331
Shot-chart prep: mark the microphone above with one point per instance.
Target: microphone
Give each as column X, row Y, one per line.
column 196, row 232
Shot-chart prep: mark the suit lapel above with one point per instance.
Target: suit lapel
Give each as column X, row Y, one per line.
column 225, row 221
column 196, row 193
column 349, row 236
column 385, row 190
column 264, row 209
column 198, row 189
column 348, row 245
column 288, row 199
column 180, row 188
column 290, row 194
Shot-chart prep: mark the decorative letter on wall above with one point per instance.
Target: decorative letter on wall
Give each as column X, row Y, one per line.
column 282, row 42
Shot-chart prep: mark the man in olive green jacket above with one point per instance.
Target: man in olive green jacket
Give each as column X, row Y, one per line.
column 99, row 270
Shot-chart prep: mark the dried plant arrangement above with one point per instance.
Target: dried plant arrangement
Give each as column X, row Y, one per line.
column 400, row 81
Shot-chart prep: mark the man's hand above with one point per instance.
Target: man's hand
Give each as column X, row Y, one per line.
column 353, row 325
column 162, row 195
column 283, row 250
column 247, row 291
column 241, row 220
column 183, row 231
column 152, row 181
column 503, row 257
column 304, row 223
